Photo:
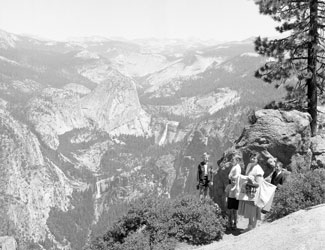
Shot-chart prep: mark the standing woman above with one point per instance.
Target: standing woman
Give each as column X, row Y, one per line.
column 248, row 209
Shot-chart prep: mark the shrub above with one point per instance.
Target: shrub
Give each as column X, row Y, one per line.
column 302, row 190
column 196, row 222
column 157, row 223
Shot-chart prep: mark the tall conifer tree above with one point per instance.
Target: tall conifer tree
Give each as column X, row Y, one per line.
column 300, row 54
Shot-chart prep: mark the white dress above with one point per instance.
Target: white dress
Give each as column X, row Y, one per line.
column 248, row 208
column 235, row 171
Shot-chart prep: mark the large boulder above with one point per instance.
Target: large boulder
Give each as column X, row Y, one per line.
column 284, row 135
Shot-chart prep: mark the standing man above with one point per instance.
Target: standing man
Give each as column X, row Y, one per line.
column 204, row 176
column 279, row 175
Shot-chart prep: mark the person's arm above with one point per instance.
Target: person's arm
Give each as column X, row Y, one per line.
column 236, row 171
column 259, row 179
column 258, row 173
column 244, row 177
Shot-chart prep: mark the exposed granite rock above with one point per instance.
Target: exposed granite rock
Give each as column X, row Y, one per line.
column 55, row 112
column 318, row 150
column 77, row 88
column 167, row 132
column 113, row 106
column 275, row 134
column 115, row 103
column 8, row 243
column 167, row 173
column 284, row 134
column 91, row 157
column 30, row 184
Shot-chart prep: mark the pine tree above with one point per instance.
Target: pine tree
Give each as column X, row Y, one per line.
column 298, row 56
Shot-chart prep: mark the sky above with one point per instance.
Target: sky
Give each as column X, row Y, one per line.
column 221, row 20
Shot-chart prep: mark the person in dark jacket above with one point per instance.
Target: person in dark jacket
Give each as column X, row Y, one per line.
column 279, row 175
column 204, row 176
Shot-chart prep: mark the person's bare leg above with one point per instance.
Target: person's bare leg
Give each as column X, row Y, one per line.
column 235, row 218
column 229, row 218
column 254, row 222
column 250, row 223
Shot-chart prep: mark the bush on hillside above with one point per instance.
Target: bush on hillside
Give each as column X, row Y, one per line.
column 157, row 223
column 196, row 222
column 301, row 191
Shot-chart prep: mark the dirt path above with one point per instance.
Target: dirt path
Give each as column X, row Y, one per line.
column 303, row 230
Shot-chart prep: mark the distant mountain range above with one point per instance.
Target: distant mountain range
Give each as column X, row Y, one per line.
column 90, row 124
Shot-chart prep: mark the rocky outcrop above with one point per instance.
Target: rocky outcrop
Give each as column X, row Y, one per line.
column 284, row 135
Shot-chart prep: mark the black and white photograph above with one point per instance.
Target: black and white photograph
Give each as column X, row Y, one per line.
column 162, row 124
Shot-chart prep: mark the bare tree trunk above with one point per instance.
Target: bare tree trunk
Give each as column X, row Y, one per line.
column 312, row 63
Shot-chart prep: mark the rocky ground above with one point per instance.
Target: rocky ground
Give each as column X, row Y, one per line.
column 301, row 230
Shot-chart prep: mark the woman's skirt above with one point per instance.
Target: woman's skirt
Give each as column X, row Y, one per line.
column 249, row 210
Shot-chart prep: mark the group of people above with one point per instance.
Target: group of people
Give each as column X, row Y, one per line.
column 243, row 202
